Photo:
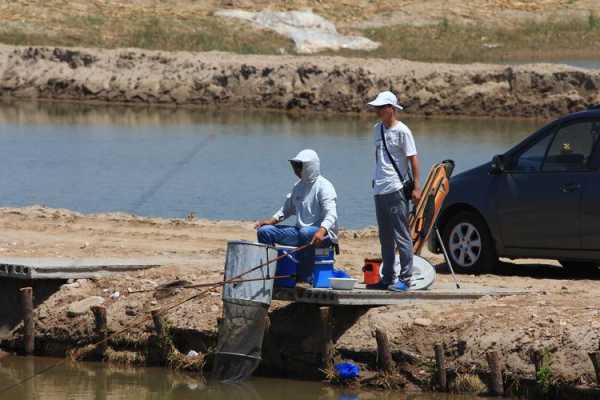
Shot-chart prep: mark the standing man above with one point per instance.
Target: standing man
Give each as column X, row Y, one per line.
column 393, row 188
column 313, row 202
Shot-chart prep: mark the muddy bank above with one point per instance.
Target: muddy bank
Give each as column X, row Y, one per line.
column 560, row 318
column 326, row 84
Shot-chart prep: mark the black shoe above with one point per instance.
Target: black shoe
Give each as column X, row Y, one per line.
column 378, row 286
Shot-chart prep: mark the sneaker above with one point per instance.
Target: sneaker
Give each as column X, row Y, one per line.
column 378, row 286
column 398, row 287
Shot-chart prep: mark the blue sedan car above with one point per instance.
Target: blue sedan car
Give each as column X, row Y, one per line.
column 540, row 199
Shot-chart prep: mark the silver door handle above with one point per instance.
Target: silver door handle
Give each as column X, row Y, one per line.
column 570, row 187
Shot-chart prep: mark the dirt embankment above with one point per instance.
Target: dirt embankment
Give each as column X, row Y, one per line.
column 561, row 317
column 328, row 84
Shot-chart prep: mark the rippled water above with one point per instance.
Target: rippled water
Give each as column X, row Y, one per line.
column 220, row 165
column 95, row 381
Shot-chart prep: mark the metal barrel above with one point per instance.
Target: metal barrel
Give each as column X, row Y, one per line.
column 243, row 256
column 245, row 308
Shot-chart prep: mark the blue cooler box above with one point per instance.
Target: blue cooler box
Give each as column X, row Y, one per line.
column 286, row 266
column 323, row 269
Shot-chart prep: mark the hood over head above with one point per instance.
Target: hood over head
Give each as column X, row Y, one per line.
column 311, row 166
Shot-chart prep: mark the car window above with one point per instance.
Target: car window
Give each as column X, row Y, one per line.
column 531, row 160
column 571, row 148
column 595, row 163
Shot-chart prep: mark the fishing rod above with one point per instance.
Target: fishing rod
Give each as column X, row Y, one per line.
column 237, row 279
column 212, row 284
column 234, row 279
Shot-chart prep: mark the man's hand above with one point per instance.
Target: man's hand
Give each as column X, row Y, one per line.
column 270, row 221
column 416, row 195
column 319, row 237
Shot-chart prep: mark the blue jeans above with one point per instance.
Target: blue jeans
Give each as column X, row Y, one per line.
column 291, row 236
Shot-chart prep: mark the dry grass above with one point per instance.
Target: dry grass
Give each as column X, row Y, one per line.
column 467, row 383
column 195, row 33
column 447, row 42
column 188, row 25
column 126, row 358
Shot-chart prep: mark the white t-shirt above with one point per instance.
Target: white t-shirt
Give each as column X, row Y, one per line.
column 401, row 144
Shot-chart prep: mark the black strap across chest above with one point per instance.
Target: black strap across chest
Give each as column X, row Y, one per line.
column 387, row 151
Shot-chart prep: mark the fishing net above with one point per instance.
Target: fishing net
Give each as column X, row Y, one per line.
column 245, row 306
column 240, row 340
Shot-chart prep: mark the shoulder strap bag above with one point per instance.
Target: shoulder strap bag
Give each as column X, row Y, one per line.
column 408, row 183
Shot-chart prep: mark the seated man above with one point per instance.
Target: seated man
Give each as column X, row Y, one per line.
column 312, row 201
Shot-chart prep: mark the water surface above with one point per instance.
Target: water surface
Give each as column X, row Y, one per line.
column 95, row 381
column 228, row 165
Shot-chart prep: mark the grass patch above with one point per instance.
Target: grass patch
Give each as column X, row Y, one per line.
column 467, row 383
column 446, row 41
column 593, row 21
column 154, row 33
column 544, row 376
column 461, row 43
column 16, row 37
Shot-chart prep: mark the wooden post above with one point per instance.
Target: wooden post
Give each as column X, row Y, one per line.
column 595, row 357
column 101, row 328
column 164, row 341
column 385, row 362
column 537, row 358
column 159, row 323
column 440, row 366
column 325, row 320
column 496, row 379
column 27, row 309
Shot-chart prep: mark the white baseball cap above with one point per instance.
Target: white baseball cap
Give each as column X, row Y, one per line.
column 386, row 98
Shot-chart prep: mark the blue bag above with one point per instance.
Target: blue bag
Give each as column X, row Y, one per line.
column 347, row 370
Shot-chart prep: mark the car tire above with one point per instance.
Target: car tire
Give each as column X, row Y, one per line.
column 469, row 244
column 578, row 267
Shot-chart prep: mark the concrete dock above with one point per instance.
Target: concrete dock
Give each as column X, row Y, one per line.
column 67, row 268
column 360, row 296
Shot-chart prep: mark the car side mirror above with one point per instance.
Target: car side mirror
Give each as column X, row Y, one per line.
column 498, row 165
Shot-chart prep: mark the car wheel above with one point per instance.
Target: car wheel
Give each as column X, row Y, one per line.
column 469, row 244
column 579, row 266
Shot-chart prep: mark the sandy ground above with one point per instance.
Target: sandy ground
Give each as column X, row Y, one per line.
column 562, row 317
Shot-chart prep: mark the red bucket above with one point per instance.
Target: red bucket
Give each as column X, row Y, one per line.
column 371, row 271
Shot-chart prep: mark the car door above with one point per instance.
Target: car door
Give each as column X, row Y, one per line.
column 539, row 197
column 590, row 207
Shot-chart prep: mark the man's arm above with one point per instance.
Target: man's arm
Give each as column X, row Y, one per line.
column 327, row 199
column 416, row 170
column 282, row 214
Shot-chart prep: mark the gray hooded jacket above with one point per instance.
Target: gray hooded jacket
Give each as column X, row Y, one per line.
column 313, row 198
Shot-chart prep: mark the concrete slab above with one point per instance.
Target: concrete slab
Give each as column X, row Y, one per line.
column 360, row 296
column 66, row 268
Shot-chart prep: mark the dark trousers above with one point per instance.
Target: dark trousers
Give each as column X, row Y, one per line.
column 392, row 219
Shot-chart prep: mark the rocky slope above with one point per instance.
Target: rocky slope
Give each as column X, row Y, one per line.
column 326, row 84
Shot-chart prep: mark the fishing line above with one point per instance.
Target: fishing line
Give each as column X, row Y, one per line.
column 158, row 184
column 147, row 195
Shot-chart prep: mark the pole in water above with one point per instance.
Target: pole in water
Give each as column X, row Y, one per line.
column 595, row 357
column 437, row 232
column 100, row 320
column 385, row 362
column 27, row 309
column 440, row 367
column 327, row 348
column 496, row 378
